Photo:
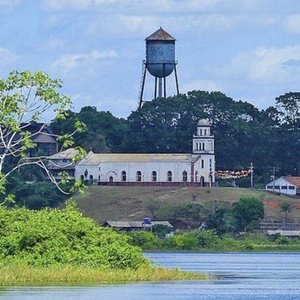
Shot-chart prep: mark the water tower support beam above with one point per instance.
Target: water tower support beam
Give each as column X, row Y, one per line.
column 165, row 88
column 142, row 85
column 159, row 87
column 176, row 80
column 155, row 88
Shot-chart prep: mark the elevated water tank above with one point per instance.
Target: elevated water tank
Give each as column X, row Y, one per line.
column 160, row 53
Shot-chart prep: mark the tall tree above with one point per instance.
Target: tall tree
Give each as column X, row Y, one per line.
column 26, row 98
column 289, row 106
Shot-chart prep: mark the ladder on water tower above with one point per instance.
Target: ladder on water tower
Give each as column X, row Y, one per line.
column 142, row 84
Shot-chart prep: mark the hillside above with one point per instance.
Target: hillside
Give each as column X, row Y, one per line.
column 132, row 203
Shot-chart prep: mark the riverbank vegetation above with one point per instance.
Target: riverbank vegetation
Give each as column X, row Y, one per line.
column 12, row 275
column 54, row 246
column 207, row 240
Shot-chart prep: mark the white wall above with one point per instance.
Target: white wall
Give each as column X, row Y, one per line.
column 114, row 169
column 280, row 185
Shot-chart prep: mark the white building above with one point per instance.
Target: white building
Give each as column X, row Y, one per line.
column 197, row 167
column 285, row 185
column 62, row 162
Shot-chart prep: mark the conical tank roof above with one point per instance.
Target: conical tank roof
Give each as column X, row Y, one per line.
column 160, row 35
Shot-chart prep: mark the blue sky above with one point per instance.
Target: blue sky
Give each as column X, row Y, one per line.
column 248, row 49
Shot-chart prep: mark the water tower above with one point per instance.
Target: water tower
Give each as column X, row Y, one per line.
column 160, row 63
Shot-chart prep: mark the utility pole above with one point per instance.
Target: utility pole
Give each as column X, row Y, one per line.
column 274, row 170
column 251, row 173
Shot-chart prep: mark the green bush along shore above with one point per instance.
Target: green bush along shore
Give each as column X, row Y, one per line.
column 54, row 246
column 208, row 240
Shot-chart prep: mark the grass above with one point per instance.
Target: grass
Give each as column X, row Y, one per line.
column 131, row 203
column 12, row 275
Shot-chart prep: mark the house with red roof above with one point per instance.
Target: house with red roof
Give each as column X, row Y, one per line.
column 287, row 185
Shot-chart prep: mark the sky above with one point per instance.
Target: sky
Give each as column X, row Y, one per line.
column 247, row 49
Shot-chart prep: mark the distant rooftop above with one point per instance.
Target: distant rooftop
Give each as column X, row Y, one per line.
column 293, row 180
column 66, row 154
column 160, row 35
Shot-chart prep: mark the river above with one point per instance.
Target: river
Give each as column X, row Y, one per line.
column 242, row 276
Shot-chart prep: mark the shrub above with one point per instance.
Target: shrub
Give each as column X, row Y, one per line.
column 144, row 239
column 52, row 236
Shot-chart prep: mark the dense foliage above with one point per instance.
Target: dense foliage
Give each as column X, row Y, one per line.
column 50, row 237
column 243, row 133
column 208, row 240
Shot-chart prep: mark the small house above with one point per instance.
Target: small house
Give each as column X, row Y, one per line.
column 135, row 225
column 287, row 185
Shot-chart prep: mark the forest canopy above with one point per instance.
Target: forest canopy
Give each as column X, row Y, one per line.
column 243, row 133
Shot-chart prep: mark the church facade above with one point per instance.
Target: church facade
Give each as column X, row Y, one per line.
column 170, row 169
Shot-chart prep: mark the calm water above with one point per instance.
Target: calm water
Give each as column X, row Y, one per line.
column 245, row 276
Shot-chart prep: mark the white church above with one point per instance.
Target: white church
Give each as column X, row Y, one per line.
column 169, row 169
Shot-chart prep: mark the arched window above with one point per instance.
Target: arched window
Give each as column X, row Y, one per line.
column 196, row 177
column 169, row 176
column 82, row 177
column 138, row 176
column 111, row 179
column 123, row 176
column 91, row 177
column 184, row 176
column 99, row 178
column 154, row 176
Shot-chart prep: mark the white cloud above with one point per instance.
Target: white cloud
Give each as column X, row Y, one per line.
column 268, row 64
column 292, row 23
column 7, row 57
column 158, row 6
column 68, row 62
column 8, row 4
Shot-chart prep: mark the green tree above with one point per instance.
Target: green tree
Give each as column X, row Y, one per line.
column 247, row 213
column 289, row 106
column 286, row 208
column 105, row 133
column 26, row 98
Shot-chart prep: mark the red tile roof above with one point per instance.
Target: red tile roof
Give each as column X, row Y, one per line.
column 160, row 35
column 294, row 180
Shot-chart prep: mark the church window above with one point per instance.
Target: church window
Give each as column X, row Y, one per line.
column 200, row 131
column 123, row 176
column 210, row 163
column 196, row 176
column 184, row 176
column 91, row 177
column 204, row 131
column 203, row 146
column 169, row 176
column 154, row 176
column 202, row 163
column 82, row 177
column 138, row 176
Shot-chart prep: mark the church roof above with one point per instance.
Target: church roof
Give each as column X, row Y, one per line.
column 160, row 35
column 96, row 158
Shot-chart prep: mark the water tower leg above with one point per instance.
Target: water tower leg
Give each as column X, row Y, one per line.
column 142, row 86
column 176, row 80
column 160, row 87
column 155, row 88
column 165, row 88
